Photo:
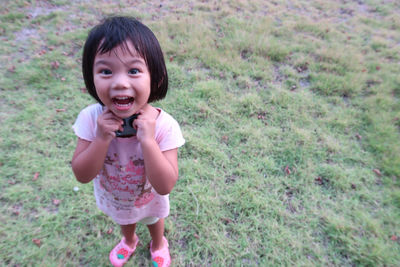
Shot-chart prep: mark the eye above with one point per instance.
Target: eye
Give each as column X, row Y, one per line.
column 106, row 72
column 133, row 71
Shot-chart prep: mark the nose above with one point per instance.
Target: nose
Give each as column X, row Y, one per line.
column 120, row 81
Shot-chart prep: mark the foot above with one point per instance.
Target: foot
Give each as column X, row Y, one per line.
column 160, row 257
column 120, row 254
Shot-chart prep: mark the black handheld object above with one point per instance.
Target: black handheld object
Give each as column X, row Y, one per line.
column 128, row 130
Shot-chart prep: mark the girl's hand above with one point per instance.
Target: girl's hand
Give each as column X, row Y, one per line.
column 145, row 125
column 107, row 124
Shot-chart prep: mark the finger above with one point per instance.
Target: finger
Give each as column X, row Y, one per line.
column 112, row 128
column 113, row 120
column 106, row 123
column 135, row 123
column 138, row 121
column 141, row 113
column 110, row 116
column 106, row 110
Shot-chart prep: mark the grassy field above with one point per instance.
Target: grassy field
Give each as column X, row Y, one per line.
column 290, row 110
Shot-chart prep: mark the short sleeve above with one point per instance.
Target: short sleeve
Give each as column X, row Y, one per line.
column 170, row 136
column 85, row 124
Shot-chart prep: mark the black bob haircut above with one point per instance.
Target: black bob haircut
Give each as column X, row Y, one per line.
column 115, row 31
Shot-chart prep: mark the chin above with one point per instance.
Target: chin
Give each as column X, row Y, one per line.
column 122, row 112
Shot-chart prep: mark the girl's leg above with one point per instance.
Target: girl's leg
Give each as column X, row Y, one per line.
column 157, row 233
column 128, row 231
column 159, row 245
column 121, row 253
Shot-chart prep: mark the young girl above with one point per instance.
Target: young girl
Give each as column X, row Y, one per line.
column 124, row 70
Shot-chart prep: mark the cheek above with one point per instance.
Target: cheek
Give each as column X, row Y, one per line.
column 147, row 94
column 95, row 82
column 145, row 89
column 148, row 83
column 98, row 84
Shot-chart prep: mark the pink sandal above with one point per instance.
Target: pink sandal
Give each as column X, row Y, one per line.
column 161, row 257
column 120, row 254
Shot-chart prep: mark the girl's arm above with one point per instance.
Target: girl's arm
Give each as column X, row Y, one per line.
column 161, row 167
column 89, row 157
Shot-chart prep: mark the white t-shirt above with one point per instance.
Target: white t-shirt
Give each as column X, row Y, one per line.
column 121, row 188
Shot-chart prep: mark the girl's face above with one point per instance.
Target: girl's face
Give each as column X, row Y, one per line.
column 122, row 80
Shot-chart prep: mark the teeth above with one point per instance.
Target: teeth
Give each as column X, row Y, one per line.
column 123, row 101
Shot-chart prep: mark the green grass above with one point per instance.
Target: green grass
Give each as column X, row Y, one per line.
column 291, row 115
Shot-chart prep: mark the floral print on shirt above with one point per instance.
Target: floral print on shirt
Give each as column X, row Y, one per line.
column 127, row 183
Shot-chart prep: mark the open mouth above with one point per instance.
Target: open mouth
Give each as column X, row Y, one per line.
column 123, row 101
